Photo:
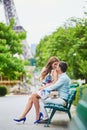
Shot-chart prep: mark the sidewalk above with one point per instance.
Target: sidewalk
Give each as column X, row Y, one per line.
column 12, row 106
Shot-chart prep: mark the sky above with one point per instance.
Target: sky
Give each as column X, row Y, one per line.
column 42, row 17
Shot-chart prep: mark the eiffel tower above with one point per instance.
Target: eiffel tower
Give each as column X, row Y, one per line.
column 10, row 12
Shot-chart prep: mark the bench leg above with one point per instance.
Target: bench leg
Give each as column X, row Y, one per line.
column 69, row 114
column 52, row 114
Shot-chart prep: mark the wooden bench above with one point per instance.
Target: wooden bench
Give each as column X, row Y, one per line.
column 58, row 107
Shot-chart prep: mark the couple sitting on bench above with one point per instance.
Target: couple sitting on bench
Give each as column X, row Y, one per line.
column 62, row 85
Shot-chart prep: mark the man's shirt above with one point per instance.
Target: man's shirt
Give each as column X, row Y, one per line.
column 61, row 85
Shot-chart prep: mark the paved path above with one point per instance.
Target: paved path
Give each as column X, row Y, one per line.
column 12, row 106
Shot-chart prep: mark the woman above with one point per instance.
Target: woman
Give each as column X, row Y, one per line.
column 48, row 71
column 47, row 77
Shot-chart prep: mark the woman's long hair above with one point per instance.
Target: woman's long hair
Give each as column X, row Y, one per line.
column 48, row 66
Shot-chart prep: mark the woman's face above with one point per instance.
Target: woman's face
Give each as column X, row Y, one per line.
column 54, row 65
column 57, row 67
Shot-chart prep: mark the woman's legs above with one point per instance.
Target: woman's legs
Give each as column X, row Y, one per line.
column 34, row 99
column 43, row 110
column 36, row 105
column 27, row 107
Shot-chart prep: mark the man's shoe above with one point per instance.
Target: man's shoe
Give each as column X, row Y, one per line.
column 43, row 121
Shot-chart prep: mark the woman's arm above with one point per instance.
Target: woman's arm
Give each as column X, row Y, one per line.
column 55, row 79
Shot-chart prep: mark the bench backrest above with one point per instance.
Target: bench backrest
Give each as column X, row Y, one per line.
column 71, row 98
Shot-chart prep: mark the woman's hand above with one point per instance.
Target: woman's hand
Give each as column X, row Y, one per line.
column 41, row 88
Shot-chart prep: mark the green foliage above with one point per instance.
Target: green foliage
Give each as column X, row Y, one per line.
column 68, row 43
column 11, row 66
column 3, row 90
column 79, row 93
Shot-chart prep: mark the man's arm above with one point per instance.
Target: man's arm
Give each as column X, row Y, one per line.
column 58, row 84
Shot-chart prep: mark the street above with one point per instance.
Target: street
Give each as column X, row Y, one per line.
column 12, row 106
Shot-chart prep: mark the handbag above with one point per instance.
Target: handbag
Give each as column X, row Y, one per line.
column 54, row 94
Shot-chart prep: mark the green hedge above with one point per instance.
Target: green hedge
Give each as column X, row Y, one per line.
column 3, row 90
column 79, row 93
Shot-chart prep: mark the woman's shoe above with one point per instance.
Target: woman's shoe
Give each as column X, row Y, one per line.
column 38, row 120
column 41, row 115
column 19, row 120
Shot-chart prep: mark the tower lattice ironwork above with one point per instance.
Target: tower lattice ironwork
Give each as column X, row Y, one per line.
column 10, row 12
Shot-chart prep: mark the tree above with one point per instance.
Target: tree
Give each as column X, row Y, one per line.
column 11, row 66
column 68, row 43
